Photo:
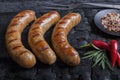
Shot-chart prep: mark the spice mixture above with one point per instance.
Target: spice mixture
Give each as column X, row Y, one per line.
column 111, row 21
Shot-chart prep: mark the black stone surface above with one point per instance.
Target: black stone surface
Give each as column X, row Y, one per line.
column 81, row 34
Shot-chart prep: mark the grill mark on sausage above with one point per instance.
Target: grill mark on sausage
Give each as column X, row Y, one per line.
column 39, row 22
column 23, row 52
column 73, row 53
column 62, row 22
column 68, row 48
column 44, row 48
column 38, row 42
column 34, row 35
column 62, row 41
column 73, row 14
column 60, row 27
column 66, row 18
column 12, row 40
column 26, row 11
column 59, row 34
column 16, row 47
column 45, row 16
column 35, row 28
column 13, row 24
column 19, row 16
column 13, row 31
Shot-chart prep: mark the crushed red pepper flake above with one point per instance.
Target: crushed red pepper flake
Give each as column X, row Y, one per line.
column 111, row 21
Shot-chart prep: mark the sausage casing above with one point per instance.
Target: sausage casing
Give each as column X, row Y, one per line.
column 36, row 37
column 13, row 39
column 59, row 39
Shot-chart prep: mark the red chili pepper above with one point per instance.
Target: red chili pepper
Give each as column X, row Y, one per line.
column 114, row 51
column 101, row 44
column 118, row 59
column 113, row 48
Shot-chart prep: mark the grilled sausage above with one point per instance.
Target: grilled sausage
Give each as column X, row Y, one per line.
column 59, row 39
column 13, row 39
column 36, row 37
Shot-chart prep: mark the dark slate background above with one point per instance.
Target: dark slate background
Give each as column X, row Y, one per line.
column 82, row 34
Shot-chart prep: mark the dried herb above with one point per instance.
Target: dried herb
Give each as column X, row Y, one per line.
column 98, row 56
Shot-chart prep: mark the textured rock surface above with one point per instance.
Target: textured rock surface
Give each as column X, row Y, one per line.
column 82, row 34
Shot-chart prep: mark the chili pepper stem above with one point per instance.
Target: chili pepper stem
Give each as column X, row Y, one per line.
column 95, row 47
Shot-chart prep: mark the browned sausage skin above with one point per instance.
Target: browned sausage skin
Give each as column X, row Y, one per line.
column 13, row 39
column 36, row 37
column 59, row 39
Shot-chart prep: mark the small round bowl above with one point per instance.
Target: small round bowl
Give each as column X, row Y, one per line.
column 98, row 23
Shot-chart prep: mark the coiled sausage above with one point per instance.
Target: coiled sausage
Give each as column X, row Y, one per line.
column 13, row 39
column 59, row 39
